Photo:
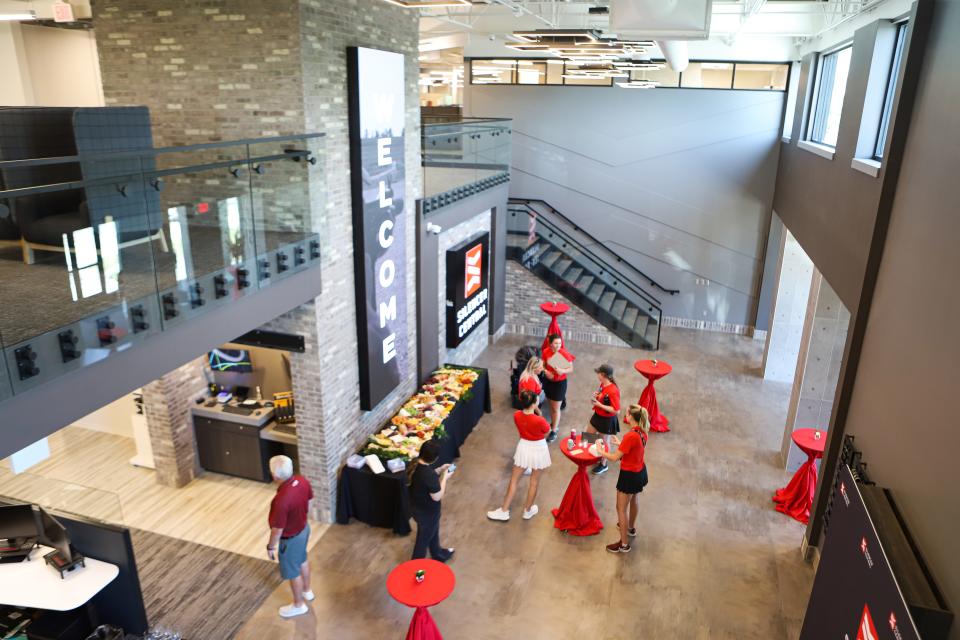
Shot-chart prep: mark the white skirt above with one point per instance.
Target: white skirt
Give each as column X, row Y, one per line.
column 532, row 454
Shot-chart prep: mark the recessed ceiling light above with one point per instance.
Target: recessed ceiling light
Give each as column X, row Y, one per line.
column 20, row 15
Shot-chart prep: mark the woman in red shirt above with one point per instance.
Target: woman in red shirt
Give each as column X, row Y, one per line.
column 606, row 405
column 633, row 474
column 532, row 453
column 530, row 380
column 555, row 385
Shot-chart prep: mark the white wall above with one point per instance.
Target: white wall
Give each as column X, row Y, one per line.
column 15, row 90
column 683, row 178
column 113, row 418
column 63, row 66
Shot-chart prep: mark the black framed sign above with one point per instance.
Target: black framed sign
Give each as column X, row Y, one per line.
column 376, row 94
column 855, row 594
column 467, row 288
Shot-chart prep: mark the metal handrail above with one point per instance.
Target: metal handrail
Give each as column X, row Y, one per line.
column 647, row 297
column 594, row 241
column 139, row 153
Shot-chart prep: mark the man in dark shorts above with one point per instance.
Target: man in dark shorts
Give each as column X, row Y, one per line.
column 290, row 532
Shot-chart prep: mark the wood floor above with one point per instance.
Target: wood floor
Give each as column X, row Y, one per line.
column 88, row 473
column 713, row 559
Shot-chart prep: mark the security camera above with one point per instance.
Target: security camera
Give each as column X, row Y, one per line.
column 492, row 37
column 435, row 229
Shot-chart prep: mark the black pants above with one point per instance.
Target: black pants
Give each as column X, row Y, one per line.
column 428, row 537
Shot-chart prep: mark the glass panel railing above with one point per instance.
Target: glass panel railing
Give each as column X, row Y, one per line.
column 113, row 248
column 286, row 205
column 69, row 498
column 456, row 154
column 202, row 198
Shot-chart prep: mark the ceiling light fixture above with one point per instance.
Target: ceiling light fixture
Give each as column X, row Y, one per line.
column 16, row 17
column 428, row 4
column 637, row 84
column 539, row 35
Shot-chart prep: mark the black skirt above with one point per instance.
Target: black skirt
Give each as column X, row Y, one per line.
column 555, row 390
column 632, row 482
column 607, row 425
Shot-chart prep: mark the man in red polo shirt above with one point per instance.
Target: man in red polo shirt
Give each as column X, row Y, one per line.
column 290, row 531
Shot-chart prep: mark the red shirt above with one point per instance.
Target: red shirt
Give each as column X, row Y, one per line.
column 633, row 446
column 530, row 383
column 547, row 354
column 610, row 396
column 288, row 509
column 531, row 426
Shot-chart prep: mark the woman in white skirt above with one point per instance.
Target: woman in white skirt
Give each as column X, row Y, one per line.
column 532, row 453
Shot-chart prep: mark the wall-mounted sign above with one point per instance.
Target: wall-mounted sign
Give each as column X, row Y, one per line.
column 855, row 594
column 376, row 88
column 467, row 288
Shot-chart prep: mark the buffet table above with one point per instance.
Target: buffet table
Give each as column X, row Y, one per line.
column 382, row 500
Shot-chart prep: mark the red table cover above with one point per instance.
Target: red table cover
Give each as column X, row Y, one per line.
column 437, row 585
column 648, row 399
column 796, row 498
column 577, row 515
column 554, row 310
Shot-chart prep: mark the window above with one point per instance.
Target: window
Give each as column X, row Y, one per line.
column 707, row 75
column 492, row 71
column 828, row 97
column 891, row 90
column 761, row 76
column 665, row 78
column 529, row 72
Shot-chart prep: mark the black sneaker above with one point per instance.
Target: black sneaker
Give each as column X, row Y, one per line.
column 551, row 437
column 447, row 555
column 616, row 547
column 600, row 469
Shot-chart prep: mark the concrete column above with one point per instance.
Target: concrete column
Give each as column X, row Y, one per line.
column 818, row 366
column 791, row 296
column 166, row 404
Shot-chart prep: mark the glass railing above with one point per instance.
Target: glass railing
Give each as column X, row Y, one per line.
column 111, row 248
column 52, row 494
column 456, row 154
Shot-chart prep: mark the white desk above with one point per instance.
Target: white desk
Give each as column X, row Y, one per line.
column 35, row 585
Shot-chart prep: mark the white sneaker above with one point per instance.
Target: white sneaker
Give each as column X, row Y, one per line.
column 527, row 472
column 308, row 596
column 498, row 514
column 292, row 610
column 532, row 511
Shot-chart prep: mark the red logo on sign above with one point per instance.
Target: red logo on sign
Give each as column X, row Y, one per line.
column 893, row 621
column 863, row 545
column 472, row 280
column 866, row 631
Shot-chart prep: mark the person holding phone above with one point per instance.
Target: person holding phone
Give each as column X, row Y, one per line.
column 427, row 486
column 531, row 453
column 606, row 405
column 555, row 384
column 633, row 474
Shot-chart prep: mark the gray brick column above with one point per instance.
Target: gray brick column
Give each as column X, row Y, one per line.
column 166, row 404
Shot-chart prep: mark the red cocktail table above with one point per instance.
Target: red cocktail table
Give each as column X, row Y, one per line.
column 437, row 585
column 554, row 310
column 577, row 515
column 796, row 498
column 652, row 371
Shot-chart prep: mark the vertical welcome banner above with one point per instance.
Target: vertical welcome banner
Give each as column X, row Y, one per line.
column 377, row 171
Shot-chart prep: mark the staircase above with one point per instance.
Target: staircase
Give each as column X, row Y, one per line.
column 586, row 271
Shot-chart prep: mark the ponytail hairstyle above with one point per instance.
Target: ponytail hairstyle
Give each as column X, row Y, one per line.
column 532, row 365
column 640, row 417
column 527, row 399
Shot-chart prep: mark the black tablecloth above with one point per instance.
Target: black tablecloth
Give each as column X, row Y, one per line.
column 382, row 500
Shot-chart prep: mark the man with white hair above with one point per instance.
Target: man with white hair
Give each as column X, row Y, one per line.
column 290, row 531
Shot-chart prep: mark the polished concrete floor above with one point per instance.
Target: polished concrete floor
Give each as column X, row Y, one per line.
column 713, row 560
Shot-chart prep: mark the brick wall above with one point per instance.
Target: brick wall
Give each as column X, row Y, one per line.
column 246, row 68
column 524, row 295
column 474, row 345
column 166, row 405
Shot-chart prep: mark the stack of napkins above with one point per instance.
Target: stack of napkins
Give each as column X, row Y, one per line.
column 374, row 463
column 356, row 461
column 396, row 464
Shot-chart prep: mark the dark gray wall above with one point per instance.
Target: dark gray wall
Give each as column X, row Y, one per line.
column 681, row 180
column 37, row 413
column 428, row 284
column 768, row 285
column 829, row 207
column 902, row 410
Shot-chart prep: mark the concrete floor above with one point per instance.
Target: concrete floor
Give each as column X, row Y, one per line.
column 713, row 559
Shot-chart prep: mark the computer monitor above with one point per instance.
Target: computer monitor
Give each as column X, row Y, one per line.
column 17, row 521
column 53, row 534
column 230, row 360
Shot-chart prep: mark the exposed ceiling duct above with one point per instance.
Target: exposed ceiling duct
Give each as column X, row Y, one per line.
column 675, row 53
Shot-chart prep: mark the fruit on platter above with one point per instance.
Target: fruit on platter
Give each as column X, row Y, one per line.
column 422, row 415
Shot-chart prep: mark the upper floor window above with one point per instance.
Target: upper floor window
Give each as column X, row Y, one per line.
column 891, row 90
column 828, row 97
